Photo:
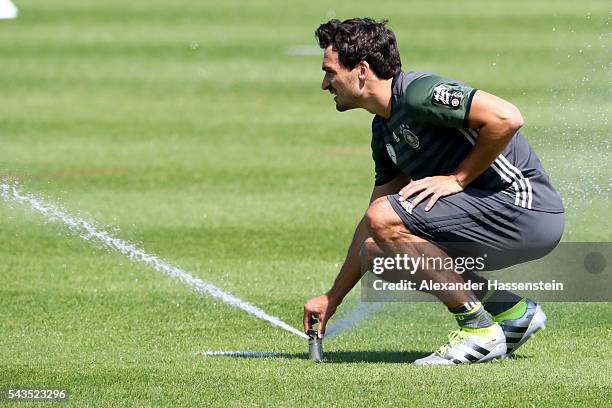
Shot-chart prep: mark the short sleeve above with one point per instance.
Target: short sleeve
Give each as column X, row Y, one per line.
column 438, row 100
column 384, row 168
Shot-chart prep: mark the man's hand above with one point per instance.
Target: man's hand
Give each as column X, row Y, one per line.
column 437, row 186
column 321, row 306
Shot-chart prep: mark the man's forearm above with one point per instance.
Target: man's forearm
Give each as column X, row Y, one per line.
column 498, row 121
column 485, row 151
column 350, row 273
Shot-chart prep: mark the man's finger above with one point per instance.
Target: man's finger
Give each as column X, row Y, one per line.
column 322, row 324
column 306, row 320
column 401, row 195
column 420, row 197
column 434, row 199
column 409, row 191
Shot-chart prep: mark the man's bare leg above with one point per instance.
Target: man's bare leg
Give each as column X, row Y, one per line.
column 479, row 338
column 388, row 231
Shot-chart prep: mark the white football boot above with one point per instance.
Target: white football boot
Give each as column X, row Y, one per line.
column 466, row 346
column 518, row 331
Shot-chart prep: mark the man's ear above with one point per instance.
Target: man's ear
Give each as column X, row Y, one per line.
column 363, row 70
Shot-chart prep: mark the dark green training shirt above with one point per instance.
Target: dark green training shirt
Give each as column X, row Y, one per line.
column 427, row 135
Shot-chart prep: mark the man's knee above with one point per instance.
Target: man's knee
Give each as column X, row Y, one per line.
column 382, row 221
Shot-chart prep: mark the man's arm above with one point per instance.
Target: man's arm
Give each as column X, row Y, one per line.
column 324, row 306
column 497, row 121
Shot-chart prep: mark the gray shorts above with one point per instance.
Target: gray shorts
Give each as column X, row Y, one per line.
column 477, row 221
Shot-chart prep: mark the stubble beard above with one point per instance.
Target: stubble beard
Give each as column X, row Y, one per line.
column 344, row 106
column 349, row 95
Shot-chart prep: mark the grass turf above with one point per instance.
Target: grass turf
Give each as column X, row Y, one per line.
column 188, row 127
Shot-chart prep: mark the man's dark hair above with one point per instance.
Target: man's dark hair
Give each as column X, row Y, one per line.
column 362, row 39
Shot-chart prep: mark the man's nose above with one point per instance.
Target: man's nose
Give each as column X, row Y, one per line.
column 325, row 84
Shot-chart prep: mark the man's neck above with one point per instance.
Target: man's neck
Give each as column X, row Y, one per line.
column 378, row 97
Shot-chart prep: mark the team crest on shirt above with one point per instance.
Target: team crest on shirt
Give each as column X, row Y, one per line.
column 447, row 96
column 411, row 139
column 391, row 152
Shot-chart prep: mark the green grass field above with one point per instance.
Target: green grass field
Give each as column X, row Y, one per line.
column 186, row 127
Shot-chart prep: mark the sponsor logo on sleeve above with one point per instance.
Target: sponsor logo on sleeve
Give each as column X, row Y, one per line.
column 445, row 95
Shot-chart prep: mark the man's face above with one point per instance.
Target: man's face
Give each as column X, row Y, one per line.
column 341, row 82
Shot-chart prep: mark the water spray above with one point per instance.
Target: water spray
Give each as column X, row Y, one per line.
column 11, row 193
column 356, row 313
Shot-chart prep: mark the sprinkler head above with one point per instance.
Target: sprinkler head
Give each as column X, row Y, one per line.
column 315, row 345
